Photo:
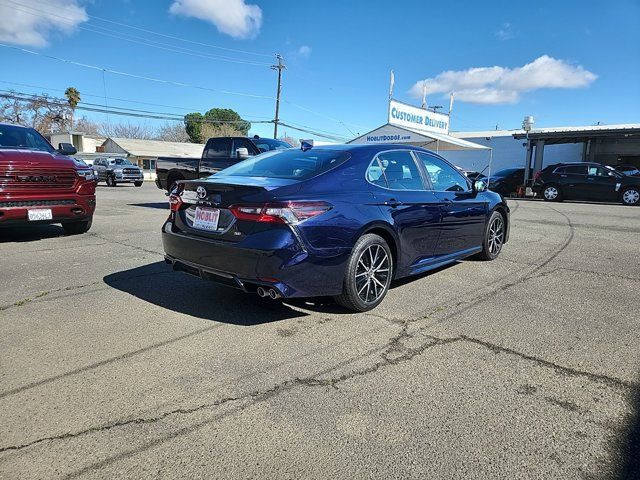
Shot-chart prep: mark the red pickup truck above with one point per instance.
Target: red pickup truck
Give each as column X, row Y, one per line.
column 39, row 184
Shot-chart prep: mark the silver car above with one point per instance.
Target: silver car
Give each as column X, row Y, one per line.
column 117, row 170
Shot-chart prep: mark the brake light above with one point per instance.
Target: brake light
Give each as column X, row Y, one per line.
column 286, row 212
column 175, row 202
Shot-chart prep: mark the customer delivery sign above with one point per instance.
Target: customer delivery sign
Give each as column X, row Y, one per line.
column 417, row 119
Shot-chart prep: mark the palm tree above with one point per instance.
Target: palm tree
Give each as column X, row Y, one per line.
column 73, row 98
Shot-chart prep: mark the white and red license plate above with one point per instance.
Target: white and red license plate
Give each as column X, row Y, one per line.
column 40, row 214
column 206, row 218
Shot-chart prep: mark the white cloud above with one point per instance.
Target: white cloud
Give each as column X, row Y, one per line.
column 505, row 32
column 491, row 85
column 304, row 51
column 232, row 17
column 28, row 23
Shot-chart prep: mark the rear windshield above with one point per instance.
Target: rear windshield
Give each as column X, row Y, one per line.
column 292, row 164
column 23, row 138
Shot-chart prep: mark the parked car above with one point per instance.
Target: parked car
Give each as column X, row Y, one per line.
column 340, row 221
column 218, row 153
column 117, row 170
column 628, row 170
column 506, row 182
column 39, row 184
column 587, row 181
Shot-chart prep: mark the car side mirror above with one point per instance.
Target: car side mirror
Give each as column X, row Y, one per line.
column 242, row 153
column 67, row 149
column 479, row 186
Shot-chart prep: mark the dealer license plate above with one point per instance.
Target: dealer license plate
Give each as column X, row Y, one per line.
column 206, row 218
column 40, row 214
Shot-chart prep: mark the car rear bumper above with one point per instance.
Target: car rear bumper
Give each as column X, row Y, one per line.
column 279, row 262
column 14, row 209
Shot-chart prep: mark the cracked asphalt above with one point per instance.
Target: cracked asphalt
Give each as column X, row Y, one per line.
column 113, row 366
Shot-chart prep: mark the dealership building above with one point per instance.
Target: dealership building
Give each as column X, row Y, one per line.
column 495, row 150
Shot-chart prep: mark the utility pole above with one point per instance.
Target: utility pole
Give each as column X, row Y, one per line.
column 279, row 68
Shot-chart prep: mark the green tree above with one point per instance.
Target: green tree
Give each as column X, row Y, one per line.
column 73, row 98
column 219, row 120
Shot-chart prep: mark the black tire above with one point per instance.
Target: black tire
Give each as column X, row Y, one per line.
column 111, row 181
column 77, row 228
column 369, row 252
column 630, row 196
column 137, row 184
column 551, row 193
column 493, row 238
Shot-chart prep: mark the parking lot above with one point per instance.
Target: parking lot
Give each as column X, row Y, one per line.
column 525, row 367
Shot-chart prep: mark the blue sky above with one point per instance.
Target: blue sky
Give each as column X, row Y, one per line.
column 566, row 63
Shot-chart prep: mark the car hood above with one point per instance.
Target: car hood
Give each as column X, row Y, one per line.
column 33, row 158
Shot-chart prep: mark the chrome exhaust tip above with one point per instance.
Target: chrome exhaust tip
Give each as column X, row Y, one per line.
column 273, row 294
column 262, row 292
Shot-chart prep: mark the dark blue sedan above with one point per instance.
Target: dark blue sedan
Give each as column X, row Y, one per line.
column 343, row 220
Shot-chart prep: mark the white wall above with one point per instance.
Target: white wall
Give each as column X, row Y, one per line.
column 509, row 153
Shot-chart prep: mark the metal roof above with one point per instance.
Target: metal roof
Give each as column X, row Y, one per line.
column 582, row 132
column 156, row 148
column 396, row 134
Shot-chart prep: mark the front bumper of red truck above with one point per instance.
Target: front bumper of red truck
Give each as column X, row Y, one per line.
column 63, row 207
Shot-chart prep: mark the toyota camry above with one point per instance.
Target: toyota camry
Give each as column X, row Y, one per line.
column 341, row 221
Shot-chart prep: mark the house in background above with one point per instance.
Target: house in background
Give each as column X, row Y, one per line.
column 144, row 153
column 84, row 143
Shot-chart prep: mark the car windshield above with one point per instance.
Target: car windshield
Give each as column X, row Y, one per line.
column 15, row 137
column 293, row 164
column 120, row 161
column 269, row 144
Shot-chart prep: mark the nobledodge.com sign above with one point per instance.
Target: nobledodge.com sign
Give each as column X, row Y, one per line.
column 416, row 118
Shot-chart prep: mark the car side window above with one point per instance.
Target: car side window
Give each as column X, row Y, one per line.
column 597, row 171
column 576, row 170
column 375, row 174
column 400, row 170
column 244, row 143
column 218, row 147
column 443, row 176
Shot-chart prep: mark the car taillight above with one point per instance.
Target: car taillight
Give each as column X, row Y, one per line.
column 175, row 199
column 286, row 212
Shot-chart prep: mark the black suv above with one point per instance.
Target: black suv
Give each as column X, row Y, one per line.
column 587, row 181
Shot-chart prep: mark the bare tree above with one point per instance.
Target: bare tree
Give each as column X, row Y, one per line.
column 172, row 132
column 127, row 130
column 41, row 112
column 290, row 140
column 84, row 125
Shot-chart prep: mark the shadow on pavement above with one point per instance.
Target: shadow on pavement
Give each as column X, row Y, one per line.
column 159, row 205
column 629, row 448
column 158, row 284
column 30, row 233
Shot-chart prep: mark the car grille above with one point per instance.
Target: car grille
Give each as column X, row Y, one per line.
column 36, row 203
column 57, row 178
column 130, row 171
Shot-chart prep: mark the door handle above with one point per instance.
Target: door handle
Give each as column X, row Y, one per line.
column 393, row 203
column 447, row 201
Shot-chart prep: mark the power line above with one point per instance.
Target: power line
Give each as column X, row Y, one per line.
column 172, row 37
column 133, row 75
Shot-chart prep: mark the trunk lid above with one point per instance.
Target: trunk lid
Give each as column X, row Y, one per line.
column 216, row 194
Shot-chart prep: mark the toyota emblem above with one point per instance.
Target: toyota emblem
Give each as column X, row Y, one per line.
column 201, row 191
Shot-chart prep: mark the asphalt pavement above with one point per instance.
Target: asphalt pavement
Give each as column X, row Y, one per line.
column 113, row 366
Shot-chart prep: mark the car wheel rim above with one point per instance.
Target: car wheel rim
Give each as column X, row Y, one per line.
column 372, row 273
column 631, row 196
column 496, row 235
column 551, row 193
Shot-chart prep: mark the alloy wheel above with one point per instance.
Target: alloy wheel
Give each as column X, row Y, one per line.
column 631, row 196
column 551, row 193
column 372, row 273
column 496, row 235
